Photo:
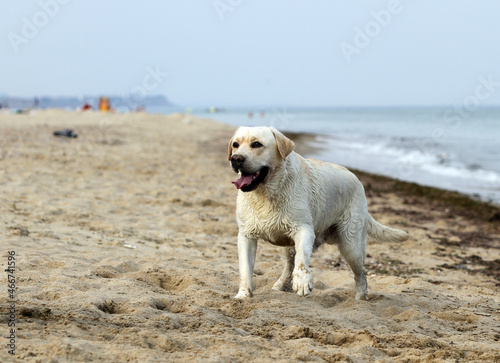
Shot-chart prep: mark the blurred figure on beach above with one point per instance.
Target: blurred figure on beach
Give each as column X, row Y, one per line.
column 86, row 107
column 104, row 105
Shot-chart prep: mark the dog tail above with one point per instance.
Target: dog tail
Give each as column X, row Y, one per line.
column 383, row 233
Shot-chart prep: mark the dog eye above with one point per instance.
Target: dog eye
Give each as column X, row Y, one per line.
column 256, row 144
column 236, row 145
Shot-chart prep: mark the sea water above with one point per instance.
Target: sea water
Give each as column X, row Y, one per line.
column 440, row 147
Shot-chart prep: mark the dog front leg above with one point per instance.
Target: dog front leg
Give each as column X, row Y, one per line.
column 302, row 278
column 247, row 248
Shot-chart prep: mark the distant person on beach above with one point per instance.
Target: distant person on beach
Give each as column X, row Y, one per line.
column 104, row 104
column 86, row 107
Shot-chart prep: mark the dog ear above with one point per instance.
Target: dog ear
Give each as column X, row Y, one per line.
column 285, row 145
column 230, row 149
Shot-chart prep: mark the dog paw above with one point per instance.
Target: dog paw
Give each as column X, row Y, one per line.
column 281, row 285
column 243, row 294
column 302, row 282
column 362, row 296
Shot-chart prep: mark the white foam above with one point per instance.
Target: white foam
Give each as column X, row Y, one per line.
column 434, row 167
column 463, row 173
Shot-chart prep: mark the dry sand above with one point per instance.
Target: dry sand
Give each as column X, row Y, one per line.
column 126, row 251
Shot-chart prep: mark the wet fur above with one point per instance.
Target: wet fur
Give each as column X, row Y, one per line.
column 301, row 204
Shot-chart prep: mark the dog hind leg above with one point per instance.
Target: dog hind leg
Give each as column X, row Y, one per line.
column 352, row 246
column 285, row 281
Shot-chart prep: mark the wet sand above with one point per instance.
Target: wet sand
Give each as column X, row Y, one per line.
column 125, row 240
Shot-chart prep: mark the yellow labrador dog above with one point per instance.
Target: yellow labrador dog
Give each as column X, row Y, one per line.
column 298, row 204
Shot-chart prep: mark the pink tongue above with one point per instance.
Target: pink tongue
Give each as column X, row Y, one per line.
column 244, row 180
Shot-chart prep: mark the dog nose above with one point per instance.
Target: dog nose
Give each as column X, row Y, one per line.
column 237, row 159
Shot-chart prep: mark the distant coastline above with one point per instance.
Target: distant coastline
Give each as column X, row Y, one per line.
column 127, row 102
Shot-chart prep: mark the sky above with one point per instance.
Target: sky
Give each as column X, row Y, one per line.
column 254, row 52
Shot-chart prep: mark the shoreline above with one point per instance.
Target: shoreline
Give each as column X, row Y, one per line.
column 465, row 204
column 307, row 146
column 405, row 150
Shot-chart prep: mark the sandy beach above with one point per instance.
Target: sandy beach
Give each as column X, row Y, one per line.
column 125, row 247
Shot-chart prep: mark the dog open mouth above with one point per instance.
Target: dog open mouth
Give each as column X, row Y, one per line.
column 248, row 182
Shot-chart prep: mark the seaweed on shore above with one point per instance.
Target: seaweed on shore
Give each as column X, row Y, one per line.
column 379, row 265
column 466, row 263
column 466, row 239
column 452, row 202
column 385, row 265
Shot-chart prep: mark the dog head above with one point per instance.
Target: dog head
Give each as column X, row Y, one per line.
column 255, row 152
